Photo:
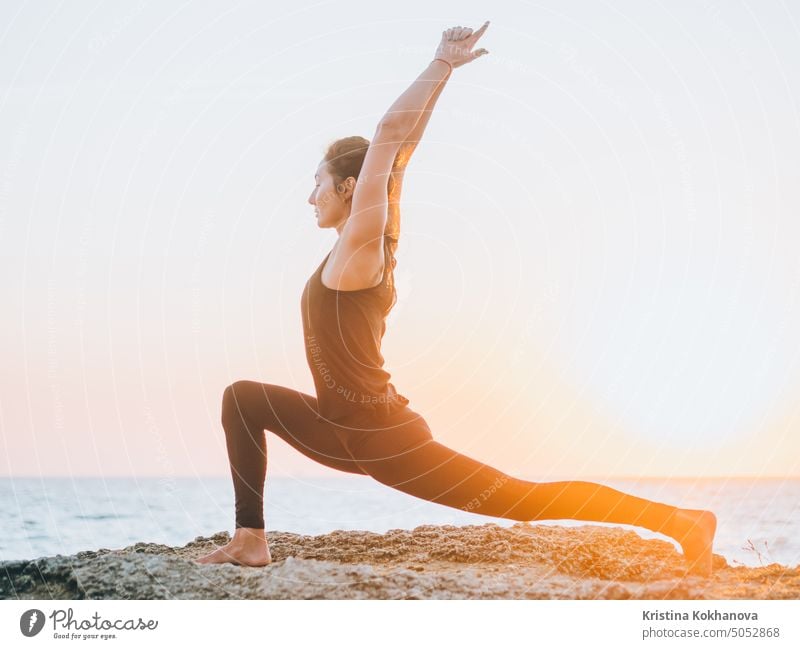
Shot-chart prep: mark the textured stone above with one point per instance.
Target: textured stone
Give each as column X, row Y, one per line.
column 487, row 561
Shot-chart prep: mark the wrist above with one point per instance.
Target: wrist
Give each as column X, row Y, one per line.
column 444, row 63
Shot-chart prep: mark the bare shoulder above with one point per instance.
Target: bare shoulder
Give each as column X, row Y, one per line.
column 353, row 267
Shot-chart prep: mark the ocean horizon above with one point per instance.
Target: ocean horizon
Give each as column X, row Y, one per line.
column 47, row 516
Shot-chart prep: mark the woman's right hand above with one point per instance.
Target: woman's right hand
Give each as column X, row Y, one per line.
column 457, row 43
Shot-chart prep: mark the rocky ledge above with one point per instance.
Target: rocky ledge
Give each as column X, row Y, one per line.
column 487, row 561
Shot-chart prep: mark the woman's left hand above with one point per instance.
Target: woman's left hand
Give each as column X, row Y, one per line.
column 457, row 43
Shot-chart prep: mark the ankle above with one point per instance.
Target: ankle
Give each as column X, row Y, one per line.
column 249, row 535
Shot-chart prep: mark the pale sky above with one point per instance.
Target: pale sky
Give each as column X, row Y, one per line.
column 598, row 271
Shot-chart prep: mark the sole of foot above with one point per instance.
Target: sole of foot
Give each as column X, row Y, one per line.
column 251, row 558
column 698, row 528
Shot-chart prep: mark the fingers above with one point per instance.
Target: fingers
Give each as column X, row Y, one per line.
column 480, row 31
column 458, row 33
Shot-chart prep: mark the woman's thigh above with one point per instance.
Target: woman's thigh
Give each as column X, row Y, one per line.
column 292, row 416
column 408, row 458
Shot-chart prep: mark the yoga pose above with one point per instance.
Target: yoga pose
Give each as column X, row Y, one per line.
column 358, row 422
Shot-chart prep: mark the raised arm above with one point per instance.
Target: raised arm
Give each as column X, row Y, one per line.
column 401, row 127
column 402, row 159
column 455, row 49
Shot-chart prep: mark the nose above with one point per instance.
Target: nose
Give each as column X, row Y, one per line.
column 311, row 199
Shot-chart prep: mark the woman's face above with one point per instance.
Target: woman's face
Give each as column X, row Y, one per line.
column 330, row 209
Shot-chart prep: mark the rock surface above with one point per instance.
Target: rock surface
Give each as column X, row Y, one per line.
column 429, row 562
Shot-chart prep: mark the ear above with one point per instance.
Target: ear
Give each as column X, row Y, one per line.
column 348, row 186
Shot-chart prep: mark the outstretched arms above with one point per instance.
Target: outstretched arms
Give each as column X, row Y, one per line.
column 401, row 161
column 453, row 51
column 410, row 143
column 369, row 209
column 396, row 137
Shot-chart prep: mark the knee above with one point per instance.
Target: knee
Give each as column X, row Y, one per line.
column 232, row 398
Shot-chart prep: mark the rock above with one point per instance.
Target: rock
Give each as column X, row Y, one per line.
column 429, row 562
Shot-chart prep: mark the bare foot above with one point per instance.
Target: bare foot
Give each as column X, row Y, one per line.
column 248, row 547
column 695, row 530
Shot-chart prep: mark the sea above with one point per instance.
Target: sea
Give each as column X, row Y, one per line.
column 758, row 522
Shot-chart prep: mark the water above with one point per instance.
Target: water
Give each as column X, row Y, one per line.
column 757, row 518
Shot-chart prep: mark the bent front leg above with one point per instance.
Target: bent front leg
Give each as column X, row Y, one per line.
column 248, row 409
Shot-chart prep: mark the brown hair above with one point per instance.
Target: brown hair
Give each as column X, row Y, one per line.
column 344, row 158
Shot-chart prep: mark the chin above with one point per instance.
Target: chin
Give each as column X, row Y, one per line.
column 327, row 220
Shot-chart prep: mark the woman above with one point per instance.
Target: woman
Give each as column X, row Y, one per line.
column 358, row 422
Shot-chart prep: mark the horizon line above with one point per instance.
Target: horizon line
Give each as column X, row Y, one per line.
column 301, row 475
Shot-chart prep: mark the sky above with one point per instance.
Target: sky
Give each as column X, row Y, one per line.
column 597, row 274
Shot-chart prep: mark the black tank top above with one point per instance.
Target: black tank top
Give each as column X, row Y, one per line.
column 343, row 332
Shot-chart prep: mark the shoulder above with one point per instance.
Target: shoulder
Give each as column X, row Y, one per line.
column 357, row 268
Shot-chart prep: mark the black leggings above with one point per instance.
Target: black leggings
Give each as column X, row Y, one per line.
column 403, row 454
